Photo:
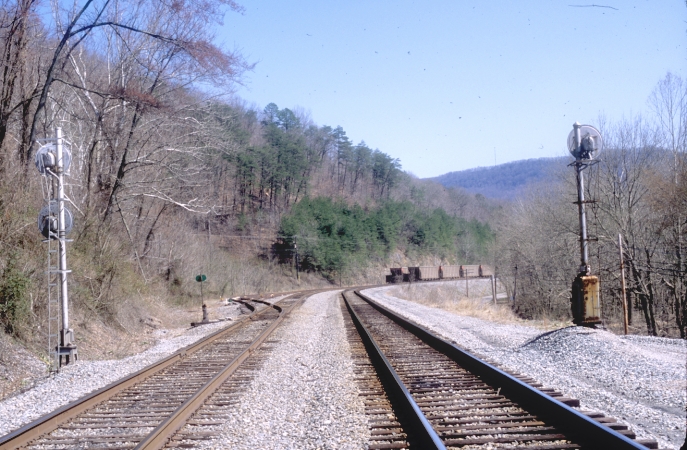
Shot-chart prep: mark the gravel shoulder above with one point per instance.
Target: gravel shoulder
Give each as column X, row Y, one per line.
column 639, row 380
column 305, row 396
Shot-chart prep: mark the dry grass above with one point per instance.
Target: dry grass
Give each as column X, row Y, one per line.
column 451, row 296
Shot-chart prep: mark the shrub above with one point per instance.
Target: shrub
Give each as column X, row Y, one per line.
column 333, row 236
column 14, row 307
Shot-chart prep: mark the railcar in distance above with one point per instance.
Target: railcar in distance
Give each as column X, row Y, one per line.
column 433, row 273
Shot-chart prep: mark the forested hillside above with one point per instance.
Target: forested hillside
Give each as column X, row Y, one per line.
column 170, row 179
column 335, row 237
column 504, row 181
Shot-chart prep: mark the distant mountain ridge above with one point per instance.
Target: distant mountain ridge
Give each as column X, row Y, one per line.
column 504, row 181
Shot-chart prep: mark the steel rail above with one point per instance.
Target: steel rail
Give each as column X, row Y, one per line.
column 584, row 428
column 48, row 423
column 159, row 437
column 417, row 426
column 385, row 429
column 246, row 303
column 245, row 300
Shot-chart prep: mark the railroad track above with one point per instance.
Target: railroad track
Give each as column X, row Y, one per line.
column 443, row 397
column 386, row 431
column 161, row 406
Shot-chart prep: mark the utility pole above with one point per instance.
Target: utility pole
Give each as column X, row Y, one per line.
column 295, row 247
column 515, row 282
column 622, row 281
column 493, row 287
column 467, row 288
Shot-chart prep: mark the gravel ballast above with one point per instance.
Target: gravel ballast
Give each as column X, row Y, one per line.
column 638, row 380
column 76, row 380
column 305, row 396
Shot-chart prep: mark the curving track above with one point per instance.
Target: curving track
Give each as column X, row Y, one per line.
column 419, row 392
column 447, row 398
column 148, row 408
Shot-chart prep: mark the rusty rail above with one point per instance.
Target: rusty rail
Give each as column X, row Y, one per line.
column 48, row 423
column 161, row 435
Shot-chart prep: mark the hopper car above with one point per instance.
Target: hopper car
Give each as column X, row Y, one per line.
column 432, row 273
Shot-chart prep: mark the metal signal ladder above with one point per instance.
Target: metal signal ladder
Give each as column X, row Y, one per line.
column 53, row 309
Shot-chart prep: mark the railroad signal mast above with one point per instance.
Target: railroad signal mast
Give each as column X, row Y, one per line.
column 584, row 143
column 55, row 221
column 200, row 279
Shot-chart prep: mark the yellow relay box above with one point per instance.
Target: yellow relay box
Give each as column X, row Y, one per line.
column 592, row 303
column 586, row 304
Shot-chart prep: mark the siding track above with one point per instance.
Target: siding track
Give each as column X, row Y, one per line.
column 146, row 409
column 420, row 392
column 446, row 398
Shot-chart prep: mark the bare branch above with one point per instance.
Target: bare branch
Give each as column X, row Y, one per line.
column 593, row 6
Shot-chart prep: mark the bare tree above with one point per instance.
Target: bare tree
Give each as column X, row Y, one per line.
column 537, row 235
column 669, row 104
column 179, row 27
column 633, row 197
column 20, row 38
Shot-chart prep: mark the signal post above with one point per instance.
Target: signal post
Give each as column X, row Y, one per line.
column 584, row 143
column 55, row 220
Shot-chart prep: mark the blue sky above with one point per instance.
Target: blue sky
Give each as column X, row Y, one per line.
column 451, row 85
